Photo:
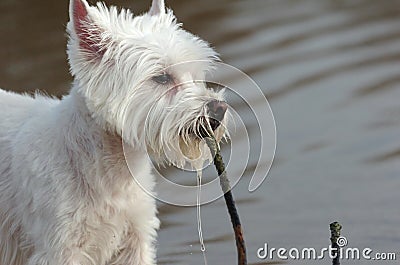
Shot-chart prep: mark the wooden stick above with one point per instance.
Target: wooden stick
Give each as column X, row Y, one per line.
column 230, row 202
column 335, row 228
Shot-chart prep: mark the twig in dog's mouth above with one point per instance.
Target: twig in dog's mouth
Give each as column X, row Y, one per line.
column 230, row 202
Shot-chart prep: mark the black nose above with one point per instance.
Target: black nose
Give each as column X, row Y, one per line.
column 216, row 111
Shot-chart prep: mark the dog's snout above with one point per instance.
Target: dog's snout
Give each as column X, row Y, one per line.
column 216, row 110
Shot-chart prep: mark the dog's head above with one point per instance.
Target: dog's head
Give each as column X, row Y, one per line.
column 142, row 77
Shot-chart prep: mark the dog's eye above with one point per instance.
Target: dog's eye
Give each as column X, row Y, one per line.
column 163, row 79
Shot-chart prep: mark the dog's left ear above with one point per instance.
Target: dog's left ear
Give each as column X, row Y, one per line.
column 83, row 27
column 157, row 8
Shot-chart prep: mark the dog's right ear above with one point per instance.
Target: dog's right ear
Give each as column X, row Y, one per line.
column 83, row 28
column 157, row 8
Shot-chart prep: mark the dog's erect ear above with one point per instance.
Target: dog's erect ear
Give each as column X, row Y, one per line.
column 157, row 8
column 86, row 31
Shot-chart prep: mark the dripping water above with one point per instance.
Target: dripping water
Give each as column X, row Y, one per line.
column 199, row 225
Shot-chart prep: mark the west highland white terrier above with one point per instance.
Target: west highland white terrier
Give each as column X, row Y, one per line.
column 67, row 196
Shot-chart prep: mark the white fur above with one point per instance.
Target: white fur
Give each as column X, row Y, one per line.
column 66, row 194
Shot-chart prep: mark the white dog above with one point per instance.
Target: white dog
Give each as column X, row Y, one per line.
column 67, row 196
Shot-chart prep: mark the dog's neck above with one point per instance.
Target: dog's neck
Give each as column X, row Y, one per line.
column 89, row 143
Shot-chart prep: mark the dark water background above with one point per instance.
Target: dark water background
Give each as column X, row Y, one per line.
column 331, row 72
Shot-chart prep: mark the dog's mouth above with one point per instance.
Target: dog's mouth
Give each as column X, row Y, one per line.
column 207, row 123
column 203, row 127
column 190, row 142
column 214, row 124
